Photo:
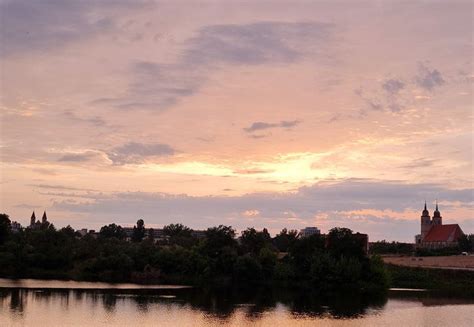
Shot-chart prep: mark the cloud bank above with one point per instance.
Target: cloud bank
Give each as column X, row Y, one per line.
column 157, row 86
column 365, row 205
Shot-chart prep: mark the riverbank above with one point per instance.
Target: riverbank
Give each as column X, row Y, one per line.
column 454, row 262
column 451, row 282
column 217, row 258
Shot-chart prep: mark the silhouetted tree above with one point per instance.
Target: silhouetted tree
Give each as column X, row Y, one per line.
column 342, row 242
column 47, row 253
column 303, row 250
column 253, row 241
column 267, row 259
column 5, row 227
column 177, row 230
column 247, row 268
column 219, row 237
column 466, row 242
column 138, row 231
column 384, row 247
column 285, row 239
column 68, row 230
column 221, row 248
column 151, row 237
column 178, row 234
column 112, row 230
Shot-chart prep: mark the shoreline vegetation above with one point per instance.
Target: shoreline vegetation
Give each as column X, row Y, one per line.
column 218, row 257
column 449, row 282
column 336, row 261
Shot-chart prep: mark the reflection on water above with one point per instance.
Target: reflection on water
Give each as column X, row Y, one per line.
column 70, row 284
column 174, row 306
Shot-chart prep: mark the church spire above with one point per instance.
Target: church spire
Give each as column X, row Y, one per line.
column 437, row 219
column 425, row 222
column 45, row 218
column 33, row 219
column 425, row 212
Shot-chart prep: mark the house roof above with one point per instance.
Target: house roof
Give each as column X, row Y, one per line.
column 443, row 233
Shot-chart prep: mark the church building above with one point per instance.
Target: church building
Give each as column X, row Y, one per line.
column 435, row 235
column 37, row 224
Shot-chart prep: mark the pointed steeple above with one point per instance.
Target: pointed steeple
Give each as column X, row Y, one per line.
column 33, row 219
column 45, row 218
column 437, row 215
column 425, row 212
column 425, row 223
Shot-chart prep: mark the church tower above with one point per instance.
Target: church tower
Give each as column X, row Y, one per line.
column 44, row 220
column 33, row 219
column 437, row 219
column 425, row 222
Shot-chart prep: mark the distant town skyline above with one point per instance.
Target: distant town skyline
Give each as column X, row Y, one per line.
column 306, row 230
column 273, row 114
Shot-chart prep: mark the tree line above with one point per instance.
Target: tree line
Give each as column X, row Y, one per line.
column 465, row 244
column 220, row 257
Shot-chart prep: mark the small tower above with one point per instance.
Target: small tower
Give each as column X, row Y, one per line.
column 44, row 220
column 425, row 222
column 33, row 219
column 437, row 219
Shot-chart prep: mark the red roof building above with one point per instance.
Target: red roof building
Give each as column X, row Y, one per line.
column 434, row 234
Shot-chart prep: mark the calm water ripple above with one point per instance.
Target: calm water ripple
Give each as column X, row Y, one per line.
column 56, row 303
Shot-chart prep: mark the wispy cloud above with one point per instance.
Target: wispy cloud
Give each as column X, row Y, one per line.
column 46, row 24
column 60, row 187
column 420, row 163
column 157, row 86
column 428, row 78
column 78, row 157
column 259, row 125
column 134, row 152
column 255, row 43
column 95, row 120
column 252, row 171
column 393, row 86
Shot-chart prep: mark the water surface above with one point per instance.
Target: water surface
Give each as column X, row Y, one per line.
column 57, row 303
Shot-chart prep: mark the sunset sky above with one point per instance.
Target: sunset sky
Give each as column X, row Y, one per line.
column 272, row 114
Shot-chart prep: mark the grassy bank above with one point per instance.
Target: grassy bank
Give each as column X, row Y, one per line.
column 449, row 282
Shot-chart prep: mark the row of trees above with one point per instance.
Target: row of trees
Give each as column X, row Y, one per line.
column 217, row 257
column 384, row 247
column 116, row 231
column 466, row 243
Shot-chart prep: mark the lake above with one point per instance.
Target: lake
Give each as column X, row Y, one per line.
column 59, row 303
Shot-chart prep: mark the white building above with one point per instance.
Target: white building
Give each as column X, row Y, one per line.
column 16, row 227
column 83, row 232
column 308, row 231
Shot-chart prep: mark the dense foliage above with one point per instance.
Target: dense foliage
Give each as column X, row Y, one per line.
column 384, row 247
column 466, row 244
column 451, row 282
column 181, row 257
column 5, row 226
